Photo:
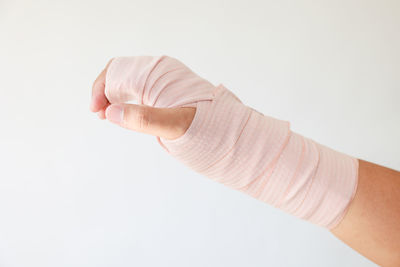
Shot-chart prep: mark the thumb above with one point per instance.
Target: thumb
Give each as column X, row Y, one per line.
column 168, row 123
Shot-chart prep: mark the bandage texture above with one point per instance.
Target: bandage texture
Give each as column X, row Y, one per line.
column 238, row 146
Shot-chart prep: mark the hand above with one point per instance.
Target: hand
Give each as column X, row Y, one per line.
column 168, row 123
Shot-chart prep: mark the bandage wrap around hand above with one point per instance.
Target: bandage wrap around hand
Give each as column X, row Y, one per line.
column 238, row 146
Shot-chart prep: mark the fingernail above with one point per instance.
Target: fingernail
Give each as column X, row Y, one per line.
column 115, row 114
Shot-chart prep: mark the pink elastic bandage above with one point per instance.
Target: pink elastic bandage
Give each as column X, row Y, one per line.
column 238, row 146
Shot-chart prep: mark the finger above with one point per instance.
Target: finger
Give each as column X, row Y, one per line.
column 99, row 100
column 168, row 123
column 102, row 113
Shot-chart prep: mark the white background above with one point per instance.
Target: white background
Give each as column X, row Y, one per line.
column 77, row 191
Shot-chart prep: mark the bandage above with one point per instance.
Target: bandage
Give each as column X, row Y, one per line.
column 238, row 146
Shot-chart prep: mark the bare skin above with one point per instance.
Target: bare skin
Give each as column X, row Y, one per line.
column 371, row 225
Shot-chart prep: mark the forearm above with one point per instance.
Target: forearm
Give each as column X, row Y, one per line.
column 246, row 150
column 371, row 225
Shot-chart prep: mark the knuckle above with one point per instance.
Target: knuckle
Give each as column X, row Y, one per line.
column 97, row 84
column 94, row 83
column 143, row 118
